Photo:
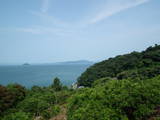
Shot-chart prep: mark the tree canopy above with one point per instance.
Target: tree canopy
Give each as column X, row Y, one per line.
column 145, row 64
column 57, row 86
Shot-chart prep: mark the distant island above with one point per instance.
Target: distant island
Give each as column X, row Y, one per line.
column 26, row 64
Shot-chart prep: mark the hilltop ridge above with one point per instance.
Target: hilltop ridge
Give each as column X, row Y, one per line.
column 145, row 64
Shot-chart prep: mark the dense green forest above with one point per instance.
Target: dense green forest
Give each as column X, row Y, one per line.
column 126, row 87
column 145, row 64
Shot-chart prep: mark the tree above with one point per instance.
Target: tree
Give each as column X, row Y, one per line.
column 18, row 91
column 57, row 86
column 7, row 99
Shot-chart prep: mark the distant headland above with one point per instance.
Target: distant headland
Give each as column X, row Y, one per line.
column 79, row 62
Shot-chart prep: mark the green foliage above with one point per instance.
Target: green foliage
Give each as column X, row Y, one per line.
column 116, row 100
column 57, row 86
column 18, row 91
column 6, row 99
column 10, row 96
column 17, row 116
column 51, row 112
column 101, row 82
column 37, row 103
column 55, row 110
column 144, row 65
column 46, row 114
column 37, row 89
column 62, row 96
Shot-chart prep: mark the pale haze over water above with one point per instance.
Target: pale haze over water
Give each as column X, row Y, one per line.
column 41, row 75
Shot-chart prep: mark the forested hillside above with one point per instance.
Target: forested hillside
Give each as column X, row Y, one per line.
column 145, row 64
column 126, row 87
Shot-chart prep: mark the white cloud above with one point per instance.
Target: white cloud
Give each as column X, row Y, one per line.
column 48, row 18
column 56, row 26
column 107, row 9
column 113, row 7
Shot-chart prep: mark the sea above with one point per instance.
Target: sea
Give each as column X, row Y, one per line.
column 41, row 75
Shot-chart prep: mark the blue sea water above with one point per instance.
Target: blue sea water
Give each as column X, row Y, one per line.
column 41, row 75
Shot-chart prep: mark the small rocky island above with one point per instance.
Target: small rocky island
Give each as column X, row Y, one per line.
column 26, row 64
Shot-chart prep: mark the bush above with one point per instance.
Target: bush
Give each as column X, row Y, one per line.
column 116, row 100
column 17, row 116
column 33, row 105
column 51, row 112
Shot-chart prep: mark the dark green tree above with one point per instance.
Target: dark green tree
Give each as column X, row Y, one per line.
column 18, row 91
column 57, row 86
column 7, row 99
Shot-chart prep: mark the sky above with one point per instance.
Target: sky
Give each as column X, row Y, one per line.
column 47, row 31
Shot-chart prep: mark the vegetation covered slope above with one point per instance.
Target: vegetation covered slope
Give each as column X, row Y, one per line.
column 145, row 64
column 126, row 87
column 126, row 99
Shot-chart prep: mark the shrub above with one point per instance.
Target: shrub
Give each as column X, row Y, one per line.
column 17, row 116
column 116, row 100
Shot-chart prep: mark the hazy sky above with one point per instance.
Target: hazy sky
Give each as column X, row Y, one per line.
column 41, row 31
